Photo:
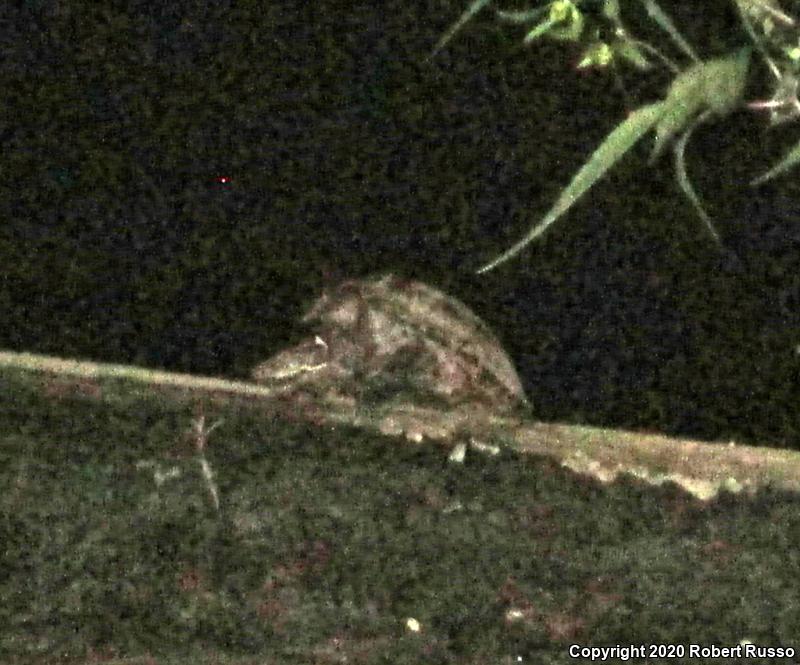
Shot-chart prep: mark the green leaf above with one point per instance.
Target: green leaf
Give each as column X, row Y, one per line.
column 564, row 22
column 665, row 23
column 611, row 11
column 716, row 85
column 567, row 21
column 781, row 167
column 473, row 9
column 724, row 81
column 628, row 50
column 521, row 17
column 683, row 178
column 624, row 136
column 684, row 101
column 543, row 28
column 598, row 54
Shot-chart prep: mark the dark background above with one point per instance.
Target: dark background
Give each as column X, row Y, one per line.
column 179, row 179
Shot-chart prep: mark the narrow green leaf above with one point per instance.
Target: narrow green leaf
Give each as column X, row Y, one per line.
column 716, row 85
column 611, row 11
column 781, row 167
column 683, row 178
column 762, row 11
column 618, row 142
column 629, row 50
column 564, row 22
column 598, row 54
column 521, row 17
column 683, row 102
column 571, row 22
column 541, row 29
column 665, row 23
column 724, row 81
column 473, row 9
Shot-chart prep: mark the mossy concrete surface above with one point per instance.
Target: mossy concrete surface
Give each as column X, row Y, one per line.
column 141, row 526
